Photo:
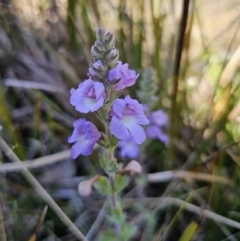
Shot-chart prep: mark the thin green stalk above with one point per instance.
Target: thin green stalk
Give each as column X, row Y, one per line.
column 114, row 201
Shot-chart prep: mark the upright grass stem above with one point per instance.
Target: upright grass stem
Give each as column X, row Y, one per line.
column 176, row 70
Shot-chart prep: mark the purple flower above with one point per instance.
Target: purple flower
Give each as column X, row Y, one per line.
column 129, row 148
column 123, row 75
column 88, row 97
column 127, row 116
column 159, row 118
column 85, row 135
column 155, row 132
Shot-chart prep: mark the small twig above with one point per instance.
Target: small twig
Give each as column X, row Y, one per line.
column 36, row 163
column 218, row 152
column 42, row 192
column 26, row 84
column 100, row 218
column 163, row 202
column 169, row 175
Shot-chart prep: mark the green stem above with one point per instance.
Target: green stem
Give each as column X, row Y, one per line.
column 114, row 202
column 113, row 196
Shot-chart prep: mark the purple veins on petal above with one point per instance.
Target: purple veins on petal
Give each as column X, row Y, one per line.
column 88, row 97
column 85, row 135
column 127, row 118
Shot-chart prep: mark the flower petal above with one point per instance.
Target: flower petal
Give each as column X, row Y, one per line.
column 153, row 132
column 99, row 89
column 128, row 149
column 141, row 119
column 159, row 117
column 118, row 107
column 76, row 149
column 98, row 104
column 114, row 74
column 88, row 147
column 117, row 128
column 135, row 130
column 137, row 106
column 78, row 130
column 164, row 138
column 85, row 86
column 91, row 131
column 85, row 104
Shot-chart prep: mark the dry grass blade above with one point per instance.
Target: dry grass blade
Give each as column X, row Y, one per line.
column 39, row 225
column 32, row 85
column 36, row 163
column 42, row 193
column 230, row 68
column 2, row 230
column 99, row 220
column 169, row 175
column 159, row 203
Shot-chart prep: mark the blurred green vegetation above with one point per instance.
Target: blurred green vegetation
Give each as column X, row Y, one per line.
column 45, row 51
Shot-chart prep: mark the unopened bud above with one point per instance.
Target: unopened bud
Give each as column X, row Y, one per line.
column 100, row 34
column 111, row 57
column 99, row 69
column 108, row 40
column 96, row 53
column 133, row 167
column 98, row 65
column 100, row 47
column 85, row 187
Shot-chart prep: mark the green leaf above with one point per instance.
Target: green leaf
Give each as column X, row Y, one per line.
column 103, row 161
column 103, row 186
column 141, row 181
column 113, row 167
column 117, row 216
column 128, row 231
column 109, row 235
column 120, row 182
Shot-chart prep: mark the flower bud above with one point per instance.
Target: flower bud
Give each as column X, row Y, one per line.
column 85, row 187
column 108, row 40
column 100, row 34
column 99, row 69
column 98, row 65
column 111, row 57
column 133, row 167
column 100, row 47
column 97, row 53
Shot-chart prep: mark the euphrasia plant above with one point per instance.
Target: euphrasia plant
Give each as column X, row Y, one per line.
column 122, row 118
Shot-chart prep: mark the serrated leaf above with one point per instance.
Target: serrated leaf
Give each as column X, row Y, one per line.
column 117, row 216
column 113, row 167
column 103, row 161
column 128, row 231
column 120, row 182
column 109, row 236
column 103, row 186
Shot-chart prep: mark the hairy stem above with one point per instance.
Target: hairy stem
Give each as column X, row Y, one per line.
column 114, row 202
